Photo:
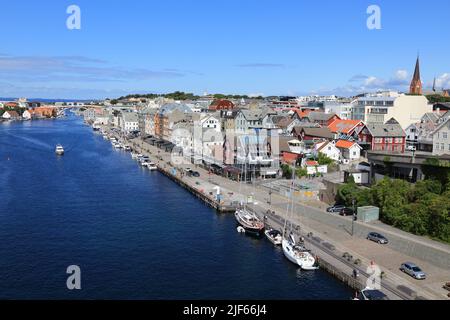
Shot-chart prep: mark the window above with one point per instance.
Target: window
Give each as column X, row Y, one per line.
column 444, row 135
column 437, row 146
column 442, row 147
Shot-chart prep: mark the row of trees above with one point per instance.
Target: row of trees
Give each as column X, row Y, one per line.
column 422, row 208
column 437, row 98
column 179, row 95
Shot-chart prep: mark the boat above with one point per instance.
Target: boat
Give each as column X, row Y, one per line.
column 298, row 254
column 59, row 150
column 152, row 166
column 127, row 148
column 117, row 145
column 249, row 221
column 96, row 127
column 274, row 236
column 134, row 156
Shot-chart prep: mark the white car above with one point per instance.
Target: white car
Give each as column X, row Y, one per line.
column 411, row 148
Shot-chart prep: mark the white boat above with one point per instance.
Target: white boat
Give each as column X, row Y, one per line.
column 127, row 148
column 134, row 156
column 298, row 254
column 274, row 236
column 152, row 166
column 117, row 145
column 59, row 150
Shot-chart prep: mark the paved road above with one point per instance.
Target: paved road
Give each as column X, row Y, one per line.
column 388, row 259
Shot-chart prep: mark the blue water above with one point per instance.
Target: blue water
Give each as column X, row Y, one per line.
column 135, row 234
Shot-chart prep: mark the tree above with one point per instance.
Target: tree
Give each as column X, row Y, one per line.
column 287, row 171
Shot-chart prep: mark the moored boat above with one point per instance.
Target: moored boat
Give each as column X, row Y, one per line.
column 152, row 166
column 274, row 236
column 249, row 221
column 298, row 254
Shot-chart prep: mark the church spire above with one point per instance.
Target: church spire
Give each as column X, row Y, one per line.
column 416, row 83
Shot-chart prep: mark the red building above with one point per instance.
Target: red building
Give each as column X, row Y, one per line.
column 221, row 104
column 383, row 137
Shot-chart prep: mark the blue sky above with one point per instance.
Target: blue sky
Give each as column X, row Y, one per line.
column 269, row 47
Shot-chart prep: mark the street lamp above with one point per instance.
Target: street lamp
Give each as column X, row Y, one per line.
column 354, row 216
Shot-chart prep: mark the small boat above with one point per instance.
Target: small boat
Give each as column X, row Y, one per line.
column 134, row 156
column 298, row 254
column 96, row 127
column 249, row 221
column 274, row 236
column 127, row 148
column 59, row 150
column 151, row 166
column 117, row 145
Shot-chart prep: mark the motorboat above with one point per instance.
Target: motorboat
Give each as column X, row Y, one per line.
column 152, row 166
column 249, row 221
column 274, row 236
column 59, row 150
column 134, row 156
column 298, row 254
column 127, row 148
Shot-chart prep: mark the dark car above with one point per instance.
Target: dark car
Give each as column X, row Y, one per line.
column 346, row 212
column 335, row 208
column 195, row 174
column 376, row 237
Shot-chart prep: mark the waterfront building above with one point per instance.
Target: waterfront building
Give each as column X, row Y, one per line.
column 379, row 107
column 11, row 115
column 129, row 122
column 28, row 114
column 441, row 139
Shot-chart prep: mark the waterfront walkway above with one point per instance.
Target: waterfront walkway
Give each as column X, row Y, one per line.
column 327, row 242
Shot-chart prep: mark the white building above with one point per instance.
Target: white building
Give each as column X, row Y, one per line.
column 329, row 149
column 441, row 139
column 342, row 109
column 349, row 150
column 380, row 107
column 27, row 115
column 210, row 122
column 129, row 122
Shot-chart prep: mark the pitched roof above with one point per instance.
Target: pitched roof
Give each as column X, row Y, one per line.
column 13, row 114
column 386, row 130
column 311, row 163
column 345, row 144
column 343, row 126
column 318, row 132
column 320, row 116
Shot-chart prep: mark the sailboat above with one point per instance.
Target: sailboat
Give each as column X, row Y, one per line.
column 296, row 253
column 245, row 217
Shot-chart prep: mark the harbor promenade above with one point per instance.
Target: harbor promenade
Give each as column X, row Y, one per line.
column 328, row 243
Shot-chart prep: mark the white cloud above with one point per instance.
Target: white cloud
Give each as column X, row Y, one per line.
column 443, row 81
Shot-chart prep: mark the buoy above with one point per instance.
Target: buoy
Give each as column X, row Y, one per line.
column 240, row 229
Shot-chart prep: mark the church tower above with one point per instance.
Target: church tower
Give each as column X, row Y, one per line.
column 416, row 83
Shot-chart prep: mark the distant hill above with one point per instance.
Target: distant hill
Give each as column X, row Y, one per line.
column 45, row 100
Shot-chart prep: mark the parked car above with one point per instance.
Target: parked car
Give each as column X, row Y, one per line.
column 376, row 237
column 346, row 212
column 195, row 174
column 371, row 294
column 413, row 270
column 335, row 208
column 411, row 148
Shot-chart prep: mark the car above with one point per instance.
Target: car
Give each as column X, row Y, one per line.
column 335, row 208
column 413, row 270
column 195, row 174
column 346, row 212
column 371, row 294
column 376, row 237
column 411, row 148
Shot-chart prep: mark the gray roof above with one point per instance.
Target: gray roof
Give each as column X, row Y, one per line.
column 252, row 115
column 386, row 130
column 130, row 117
column 318, row 132
column 320, row 116
column 170, row 107
column 431, row 116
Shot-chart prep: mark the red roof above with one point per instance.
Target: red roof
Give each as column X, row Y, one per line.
column 312, row 163
column 345, row 144
column 289, row 157
column 302, row 113
column 343, row 126
column 221, row 104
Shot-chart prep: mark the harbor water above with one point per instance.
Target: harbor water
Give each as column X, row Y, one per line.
column 134, row 233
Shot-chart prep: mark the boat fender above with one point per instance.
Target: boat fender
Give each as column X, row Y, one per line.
column 240, row 229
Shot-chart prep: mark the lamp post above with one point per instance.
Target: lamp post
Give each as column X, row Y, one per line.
column 354, row 215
